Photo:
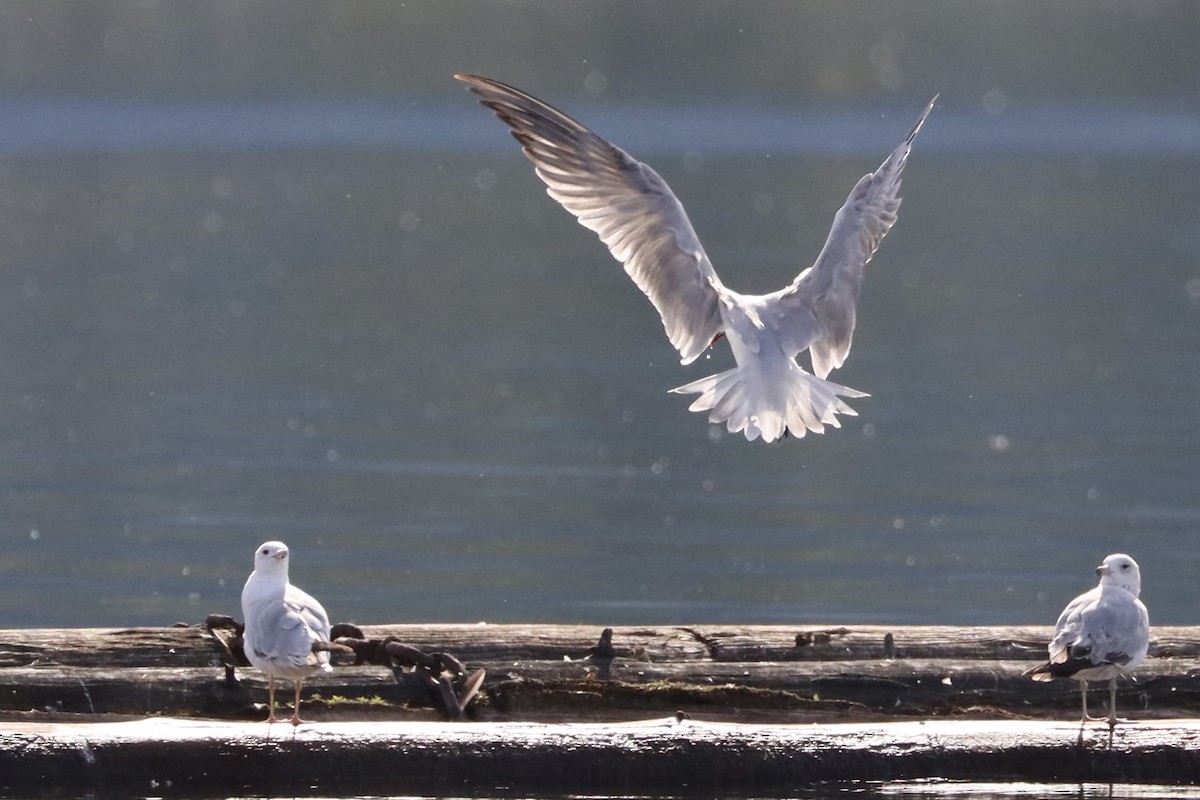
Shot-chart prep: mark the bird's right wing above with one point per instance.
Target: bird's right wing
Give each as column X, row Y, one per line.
column 1070, row 630
column 626, row 203
column 831, row 285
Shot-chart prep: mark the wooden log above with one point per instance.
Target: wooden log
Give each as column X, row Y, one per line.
column 533, row 673
column 744, row 688
column 768, row 643
column 666, row 756
column 180, row 646
column 538, row 690
column 190, row 645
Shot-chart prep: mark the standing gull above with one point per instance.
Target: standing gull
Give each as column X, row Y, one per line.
column 287, row 631
column 645, row 227
column 1101, row 634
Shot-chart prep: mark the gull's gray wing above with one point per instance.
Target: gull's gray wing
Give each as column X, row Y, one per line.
column 632, row 209
column 279, row 634
column 308, row 611
column 820, row 302
column 1069, row 630
column 1102, row 627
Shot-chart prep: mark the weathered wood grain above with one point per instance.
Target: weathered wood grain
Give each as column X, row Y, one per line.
column 534, row 672
column 537, row 690
column 656, row 757
column 190, row 645
column 913, row 702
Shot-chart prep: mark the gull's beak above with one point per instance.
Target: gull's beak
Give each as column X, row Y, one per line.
column 280, row 556
column 1103, row 570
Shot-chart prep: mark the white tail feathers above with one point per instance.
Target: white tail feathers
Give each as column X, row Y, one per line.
column 794, row 403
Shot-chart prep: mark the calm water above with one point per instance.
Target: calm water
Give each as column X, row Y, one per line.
column 400, row 357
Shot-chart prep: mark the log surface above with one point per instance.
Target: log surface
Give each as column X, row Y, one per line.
column 535, row 672
column 735, row 709
column 662, row 756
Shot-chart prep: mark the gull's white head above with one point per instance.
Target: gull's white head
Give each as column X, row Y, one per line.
column 1121, row 570
column 271, row 558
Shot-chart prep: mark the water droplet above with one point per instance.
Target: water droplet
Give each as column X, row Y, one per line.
column 595, row 83
column 485, row 180
column 222, row 186
column 995, row 101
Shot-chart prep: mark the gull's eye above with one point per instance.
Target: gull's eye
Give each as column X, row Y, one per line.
column 265, row 551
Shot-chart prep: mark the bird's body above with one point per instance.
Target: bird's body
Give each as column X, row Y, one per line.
column 285, row 627
column 1101, row 634
column 635, row 213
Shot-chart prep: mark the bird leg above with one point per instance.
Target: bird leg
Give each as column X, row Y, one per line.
column 1083, row 688
column 271, row 699
column 1113, row 719
column 296, row 708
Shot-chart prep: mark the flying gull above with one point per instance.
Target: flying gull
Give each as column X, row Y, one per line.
column 287, row 631
column 636, row 214
column 1101, row 634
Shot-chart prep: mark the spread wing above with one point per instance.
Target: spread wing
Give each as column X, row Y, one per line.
column 626, row 203
column 823, row 297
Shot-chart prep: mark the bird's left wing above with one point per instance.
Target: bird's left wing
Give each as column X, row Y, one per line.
column 306, row 611
column 831, row 285
column 626, row 203
column 280, row 634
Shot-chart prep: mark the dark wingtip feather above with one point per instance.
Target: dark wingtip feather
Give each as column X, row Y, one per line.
column 916, row 128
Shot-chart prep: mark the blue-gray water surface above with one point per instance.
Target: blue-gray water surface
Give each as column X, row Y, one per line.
column 449, row 400
column 356, row 323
